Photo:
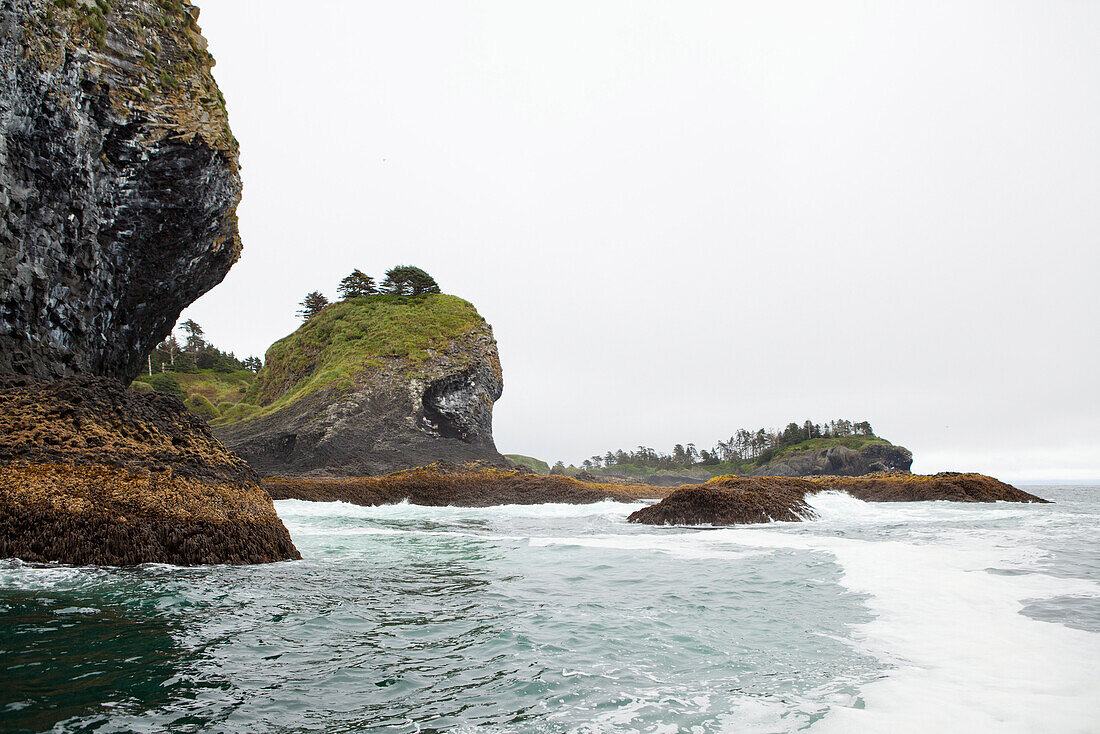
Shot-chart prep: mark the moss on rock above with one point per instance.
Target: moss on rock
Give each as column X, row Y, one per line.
column 371, row 385
column 356, row 336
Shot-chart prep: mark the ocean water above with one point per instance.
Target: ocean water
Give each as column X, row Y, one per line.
column 922, row 617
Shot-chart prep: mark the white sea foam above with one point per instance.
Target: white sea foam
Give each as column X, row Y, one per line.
column 15, row 574
column 961, row 657
column 683, row 545
column 964, row 659
column 406, row 511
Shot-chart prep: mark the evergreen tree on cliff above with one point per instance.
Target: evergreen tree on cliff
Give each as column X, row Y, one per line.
column 355, row 285
column 195, row 340
column 312, row 304
column 407, row 280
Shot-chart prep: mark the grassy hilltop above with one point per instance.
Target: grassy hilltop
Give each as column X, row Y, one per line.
column 355, row 335
column 536, row 465
column 331, row 349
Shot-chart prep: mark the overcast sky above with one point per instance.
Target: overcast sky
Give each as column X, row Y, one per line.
column 682, row 218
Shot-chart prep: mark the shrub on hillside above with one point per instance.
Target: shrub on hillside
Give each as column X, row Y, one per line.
column 236, row 412
column 167, row 384
column 199, row 405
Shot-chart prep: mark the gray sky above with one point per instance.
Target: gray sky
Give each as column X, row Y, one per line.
column 682, row 218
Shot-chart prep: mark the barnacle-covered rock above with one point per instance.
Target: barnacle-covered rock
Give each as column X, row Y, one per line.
column 898, row 486
column 731, row 501
column 93, row 473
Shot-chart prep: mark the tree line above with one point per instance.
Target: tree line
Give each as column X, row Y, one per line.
column 401, row 280
column 743, row 447
column 194, row 353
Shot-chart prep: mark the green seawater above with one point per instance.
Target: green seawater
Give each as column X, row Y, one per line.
column 552, row 618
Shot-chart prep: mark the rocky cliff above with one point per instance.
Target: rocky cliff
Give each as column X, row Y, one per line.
column 118, row 193
column 373, row 385
column 839, row 460
column 118, row 181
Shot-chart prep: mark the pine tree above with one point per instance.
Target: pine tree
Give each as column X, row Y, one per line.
column 312, row 304
column 408, row 280
column 195, row 340
column 357, row 284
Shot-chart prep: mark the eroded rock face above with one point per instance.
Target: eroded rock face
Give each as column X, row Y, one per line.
column 91, row 472
column 840, row 461
column 118, row 182
column 400, row 415
column 118, row 192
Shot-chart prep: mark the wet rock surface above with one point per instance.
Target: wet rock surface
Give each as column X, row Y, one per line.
column 905, row 487
column 118, row 182
column 731, row 501
column 448, row 485
column 740, row 500
column 91, row 472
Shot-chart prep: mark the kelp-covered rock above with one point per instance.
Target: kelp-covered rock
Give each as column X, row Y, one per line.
column 372, row 385
column 905, row 487
column 118, row 182
column 118, row 192
column 731, row 501
column 737, row 500
column 91, row 472
column 458, row 486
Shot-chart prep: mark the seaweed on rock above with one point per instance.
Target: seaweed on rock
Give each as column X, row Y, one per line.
column 731, row 501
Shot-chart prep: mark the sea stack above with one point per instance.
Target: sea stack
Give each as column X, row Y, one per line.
column 118, row 192
column 839, row 460
column 371, row 385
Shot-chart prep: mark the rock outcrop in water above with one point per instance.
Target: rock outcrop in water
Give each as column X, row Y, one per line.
column 458, row 486
column 839, row 460
column 731, row 501
column 905, row 487
column 373, row 385
column 118, row 193
column 91, row 472
column 118, row 182
column 738, row 500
